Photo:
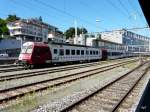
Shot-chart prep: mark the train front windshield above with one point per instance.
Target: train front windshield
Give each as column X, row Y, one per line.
column 26, row 49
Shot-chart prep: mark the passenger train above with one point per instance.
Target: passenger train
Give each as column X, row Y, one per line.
column 37, row 53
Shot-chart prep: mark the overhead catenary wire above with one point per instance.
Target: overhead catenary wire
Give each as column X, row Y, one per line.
column 42, row 11
column 48, row 5
column 137, row 16
column 125, row 9
column 134, row 8
column 95, row 10
column 65, row 12
column 136, row 11
column 116, row 7
column 45, row 11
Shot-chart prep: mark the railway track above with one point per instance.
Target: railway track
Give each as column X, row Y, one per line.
column 18, row 91
column 110, row 97
column 46, row 71
column 7, row 65
column 11, row 69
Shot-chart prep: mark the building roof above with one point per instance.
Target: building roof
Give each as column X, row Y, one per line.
column 34, row 22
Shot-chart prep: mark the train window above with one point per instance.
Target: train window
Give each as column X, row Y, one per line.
column 67, row 52
column 55, row 51
column 82, row 52
column 27, row 49
column 61, row 52
column 87, row 52
column 91, row 52
column 73, row 52
column 96, row 52
column 78, row 52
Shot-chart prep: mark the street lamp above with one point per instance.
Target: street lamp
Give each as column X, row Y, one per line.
column 97, row 20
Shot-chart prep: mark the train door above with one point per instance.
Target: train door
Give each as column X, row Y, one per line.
column 104, row 54
column 36, row 55
column 41, row 55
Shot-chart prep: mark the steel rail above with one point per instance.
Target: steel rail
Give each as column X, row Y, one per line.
column 43, row 72
column 46, row 83
column 101, row 89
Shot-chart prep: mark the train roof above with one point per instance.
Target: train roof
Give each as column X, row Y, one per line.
column 35, row 44
column 55, row 43
column 67, row 44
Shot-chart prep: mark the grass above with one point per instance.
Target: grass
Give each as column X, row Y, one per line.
column 23, row 104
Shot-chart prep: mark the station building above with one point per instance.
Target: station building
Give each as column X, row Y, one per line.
column 117, row 39
column 133, row 41
column 94, row 39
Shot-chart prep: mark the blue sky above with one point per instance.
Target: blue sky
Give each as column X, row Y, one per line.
column 113, row 14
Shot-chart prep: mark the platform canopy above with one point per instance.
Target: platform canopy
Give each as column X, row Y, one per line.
column 146, row 9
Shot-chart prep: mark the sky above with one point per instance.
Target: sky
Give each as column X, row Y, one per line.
column 112, row 14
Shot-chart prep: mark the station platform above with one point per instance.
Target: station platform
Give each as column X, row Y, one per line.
column 8, row 60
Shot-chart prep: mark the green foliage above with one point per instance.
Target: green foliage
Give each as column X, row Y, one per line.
column 70, row 33
column 12, row 18
column 3, row 27
column 3, row 24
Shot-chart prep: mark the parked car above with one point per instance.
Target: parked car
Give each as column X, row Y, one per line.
column 4, row 55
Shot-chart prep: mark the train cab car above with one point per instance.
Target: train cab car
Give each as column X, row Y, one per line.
column 34, row 53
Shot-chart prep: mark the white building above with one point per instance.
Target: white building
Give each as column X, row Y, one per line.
column 135, row 42
column 87, row 39
column 130, row 41
column 56, row 36
column 113, row 36
column 80, row 40
column 30, row 29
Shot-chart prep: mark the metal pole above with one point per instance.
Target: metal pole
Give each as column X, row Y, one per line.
column 75, row 23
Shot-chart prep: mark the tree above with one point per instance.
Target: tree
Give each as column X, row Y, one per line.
column 12, row 18
column 3, row 24
column 5, row 30
column 3, row 27
column 83, row 30
column 70, row 33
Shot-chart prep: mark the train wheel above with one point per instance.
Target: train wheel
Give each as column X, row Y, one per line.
column 31, row 66
column 28, row 66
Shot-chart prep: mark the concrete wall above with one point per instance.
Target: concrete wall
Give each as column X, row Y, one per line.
column 9, row 44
